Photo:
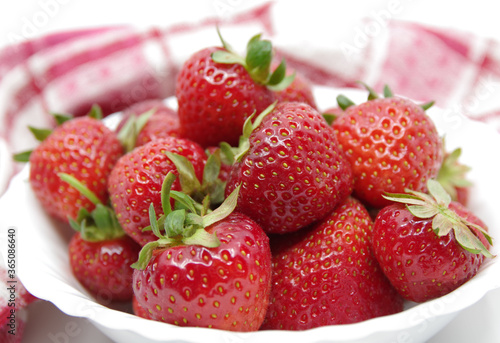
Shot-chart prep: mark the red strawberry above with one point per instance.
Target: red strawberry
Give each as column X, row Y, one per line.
column 82, row 147
column 292, row 173
column 300, row 90
column 430, row 246
column 152, row 120
column 214, row 275
column 330, row 276
column 391, row 144
column 138, row 310
column 103, row 266
column 218, row 90
column 135, row 181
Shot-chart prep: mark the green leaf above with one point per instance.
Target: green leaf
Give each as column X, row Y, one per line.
column 258, row 58
column 404, row 198
column 284, row 84
column 224, row 43
column 202, row 238
column 154, row 221
column 22, row 156
column 344, row 102
column 165, row 193
column 40, row 134
column 174, row 223
column 184, row 201
column 441, row 225
column 330, row 118
column 96, row 112
column 145, row 255
column 212, row 169
column 187, row 176
column 423, row 211
column 469, row 241
column 427, row 105
column 438, row 192
column 387, row 92
column 73, row 182
column 371, row 92
column 224, row 210
column 61, row 118
column 278, row 74
column 226, row 57
column 228, row 156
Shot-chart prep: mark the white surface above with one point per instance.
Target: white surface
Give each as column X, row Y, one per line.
column 25, row 18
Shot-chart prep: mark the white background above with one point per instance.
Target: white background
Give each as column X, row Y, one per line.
column 28, row 18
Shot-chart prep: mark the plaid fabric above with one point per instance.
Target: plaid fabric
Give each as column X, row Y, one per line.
column 118, row 66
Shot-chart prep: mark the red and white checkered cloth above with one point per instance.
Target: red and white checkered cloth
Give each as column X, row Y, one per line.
column 118, row 66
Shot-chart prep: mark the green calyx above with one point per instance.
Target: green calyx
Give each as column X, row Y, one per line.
column 435, row 205
column 257, row 62
column 211, row 188
column 98, row 225
column 235, row 154
column 133, row 126
column 344, row 102
column 452, row 173
column 185, row 223
column 41, row 134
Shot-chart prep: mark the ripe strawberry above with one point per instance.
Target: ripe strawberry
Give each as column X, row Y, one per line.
column 82, row 147
column 146, row 121
column 330, row 276
column 218, row 90
column 428, row 245
column 102, row 265
column 300, row 90
column 292, row 173
column 391, row 144
column 136, row 179
column 213, row 274
column 138, row 310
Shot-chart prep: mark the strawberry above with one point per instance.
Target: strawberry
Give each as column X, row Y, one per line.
column 429, row 245
column 100, row 253
column 300, row 90
column 138, row 310
column 82, row 147
column 329, row 276
column 136, row 179
column 391, row 144
column 217, row 90
column 210, row 270
column 291, row 171
column 146, row 121
column 102, row 265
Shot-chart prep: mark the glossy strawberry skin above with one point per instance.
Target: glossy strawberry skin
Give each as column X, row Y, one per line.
column 224, row 288
column 135, row 182
column 391, row 144
column 82, row 147
column 421, row 265
column 293, row 174
column 329, row 276
column 103, row 267
column 215, row 99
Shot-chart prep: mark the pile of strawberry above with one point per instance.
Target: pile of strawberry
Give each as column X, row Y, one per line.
column 248, row 209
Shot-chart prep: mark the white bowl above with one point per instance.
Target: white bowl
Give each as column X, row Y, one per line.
column 44, row 269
